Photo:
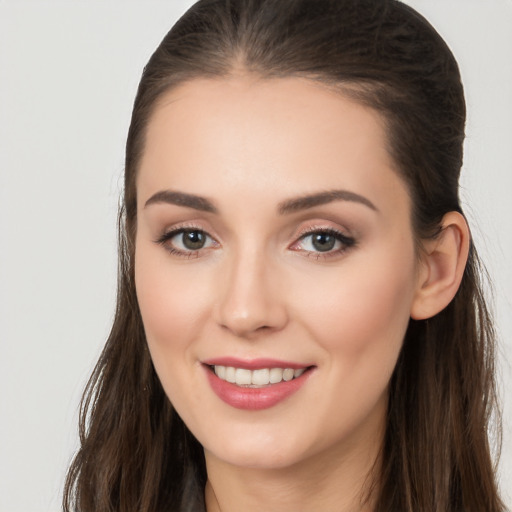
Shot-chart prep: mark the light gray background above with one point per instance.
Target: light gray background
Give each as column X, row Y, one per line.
column 68, row 75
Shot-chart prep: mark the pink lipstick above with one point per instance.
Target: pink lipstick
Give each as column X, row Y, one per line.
column 255, row 384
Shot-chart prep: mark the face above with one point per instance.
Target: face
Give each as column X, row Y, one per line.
column 275, row 267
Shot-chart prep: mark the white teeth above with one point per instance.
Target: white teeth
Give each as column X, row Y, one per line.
column 298, row 373
column 243, row 377
column 220, row 371
column 287, row 374
column 261, row 377
column 276, row 375
column 230, row 374
column 256, row 378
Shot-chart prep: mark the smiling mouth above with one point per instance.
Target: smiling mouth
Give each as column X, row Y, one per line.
column 259, row 378
column 257, row 384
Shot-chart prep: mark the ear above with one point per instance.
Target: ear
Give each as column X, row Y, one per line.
column 442, row 266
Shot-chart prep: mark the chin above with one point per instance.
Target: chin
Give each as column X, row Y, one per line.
column 258, row 460
column 260, row 454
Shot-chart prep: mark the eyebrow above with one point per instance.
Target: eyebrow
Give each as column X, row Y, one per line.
column 312, row 200
column 182, row 199
column 285, row 207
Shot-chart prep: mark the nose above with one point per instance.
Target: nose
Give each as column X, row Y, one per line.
column 251, row 296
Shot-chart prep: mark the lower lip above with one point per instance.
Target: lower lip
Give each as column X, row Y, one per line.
column 254, row 399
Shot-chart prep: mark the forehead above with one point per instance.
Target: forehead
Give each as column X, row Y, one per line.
column 291, row 134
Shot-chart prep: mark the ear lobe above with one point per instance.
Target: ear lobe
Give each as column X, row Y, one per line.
column 442, row 267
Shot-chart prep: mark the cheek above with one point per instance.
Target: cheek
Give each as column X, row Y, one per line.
column 172, row 307
column 365, row 312
column 360, row 325
column 168, row 298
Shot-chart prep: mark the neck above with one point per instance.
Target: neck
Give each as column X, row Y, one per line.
column 340, row 482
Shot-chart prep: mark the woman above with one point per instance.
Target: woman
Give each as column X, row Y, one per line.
column 300, row 324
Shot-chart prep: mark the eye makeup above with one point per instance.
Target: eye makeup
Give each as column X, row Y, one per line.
column 319, row 242
column 186, row 241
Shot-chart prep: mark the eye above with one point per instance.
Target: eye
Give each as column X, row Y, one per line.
column 191, row 240
column 323, row 242
column 186, row 241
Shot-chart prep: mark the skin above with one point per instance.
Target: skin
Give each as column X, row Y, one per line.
column 258, row 288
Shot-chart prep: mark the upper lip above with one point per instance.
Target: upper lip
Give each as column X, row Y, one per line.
column 254, row 364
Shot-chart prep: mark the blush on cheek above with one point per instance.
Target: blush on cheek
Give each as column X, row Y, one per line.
column 370, row 312
column 168, row 301
column 166, row 320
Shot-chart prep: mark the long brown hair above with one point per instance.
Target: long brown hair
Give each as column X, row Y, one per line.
column 136, row 453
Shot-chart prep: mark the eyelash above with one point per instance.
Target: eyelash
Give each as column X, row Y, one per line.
column 169, row 235
column 346, row 242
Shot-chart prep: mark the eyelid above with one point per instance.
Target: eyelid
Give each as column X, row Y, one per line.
column 347, row 241
column 324, row 227
column 169, row 233
column 188, row 225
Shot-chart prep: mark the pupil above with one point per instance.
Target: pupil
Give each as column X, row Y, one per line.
column 323, row 242
column 193, row 240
